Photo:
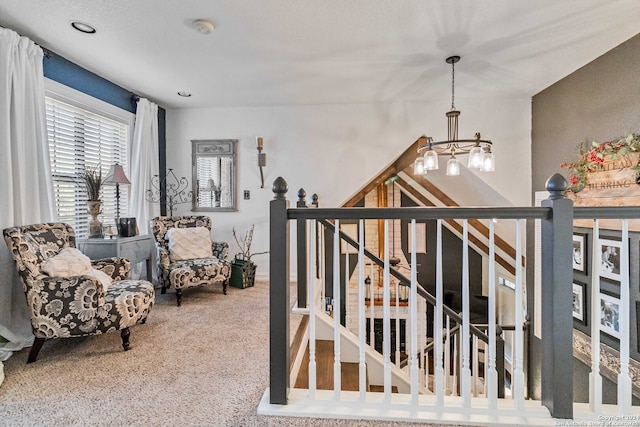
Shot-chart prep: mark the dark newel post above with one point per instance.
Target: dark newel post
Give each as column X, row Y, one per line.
column 279, row 294
column 557, row 305
column 302, row 252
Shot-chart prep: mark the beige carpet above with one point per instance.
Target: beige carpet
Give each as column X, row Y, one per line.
column 202, row 364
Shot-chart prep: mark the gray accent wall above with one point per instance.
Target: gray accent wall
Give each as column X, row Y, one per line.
column 598, row 102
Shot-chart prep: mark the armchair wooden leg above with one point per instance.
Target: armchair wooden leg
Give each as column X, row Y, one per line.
column 225, row 284
column 163, row 290
column 124, row 334
column 179, row 297
column 35, row 349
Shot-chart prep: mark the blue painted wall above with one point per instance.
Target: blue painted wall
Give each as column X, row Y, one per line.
column 69, row 74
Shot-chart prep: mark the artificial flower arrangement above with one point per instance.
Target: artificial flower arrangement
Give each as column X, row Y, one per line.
column 592, row 157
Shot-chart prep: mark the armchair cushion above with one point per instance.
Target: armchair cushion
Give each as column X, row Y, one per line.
column 71, row 262
column 189, row 243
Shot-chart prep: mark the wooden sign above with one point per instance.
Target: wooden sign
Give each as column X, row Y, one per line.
column 613, row 184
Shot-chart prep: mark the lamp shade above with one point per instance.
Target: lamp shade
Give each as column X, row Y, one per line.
column 489, row 163
column 116, row 175
column 453, row 167
column 476, row 158
column 418, row 166
column 431, row 160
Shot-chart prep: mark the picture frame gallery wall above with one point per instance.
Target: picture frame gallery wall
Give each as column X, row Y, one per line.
column 608, row 256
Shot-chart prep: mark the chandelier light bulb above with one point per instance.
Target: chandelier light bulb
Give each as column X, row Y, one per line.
column 476, row 158
column 431, row 160
column 418, row 166
column 453, row 167
column 489, row 162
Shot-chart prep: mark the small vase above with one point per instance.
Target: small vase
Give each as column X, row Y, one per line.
column 95, row 225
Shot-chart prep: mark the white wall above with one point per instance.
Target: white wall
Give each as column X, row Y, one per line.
column 334, row 150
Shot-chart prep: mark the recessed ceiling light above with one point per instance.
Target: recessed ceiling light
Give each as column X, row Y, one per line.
column 184, row 94
column 83, row 27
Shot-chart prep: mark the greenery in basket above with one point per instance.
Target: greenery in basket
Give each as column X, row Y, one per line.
column 91, row 176
column 245, row 245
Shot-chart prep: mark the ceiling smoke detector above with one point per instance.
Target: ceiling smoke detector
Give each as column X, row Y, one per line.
column 203, row 26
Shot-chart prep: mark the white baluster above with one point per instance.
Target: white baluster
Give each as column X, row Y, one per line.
column 397, row 311
column 386, row 318
column 518, row 372
column 447, row 358
column 465, row 372
column 347, row 315
column 624, row 379
column 486, row 366
column 491, row 383
column 361, row 307
column 454, row 364
column 337, row 385
column 425, row 360
column 474, row 368
column 312, row 310
column 413, row 319
column 595, row 379
column 437, row 329
column 372, row 313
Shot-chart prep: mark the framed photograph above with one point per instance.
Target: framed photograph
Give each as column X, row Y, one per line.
column 579, row 303
column 609, row 251
column 580, row 253
column 610, row 315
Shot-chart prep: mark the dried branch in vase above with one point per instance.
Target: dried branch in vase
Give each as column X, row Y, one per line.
column 245, row 244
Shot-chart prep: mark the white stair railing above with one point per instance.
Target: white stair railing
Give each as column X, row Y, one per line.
column 312, row 309
column 518, row 372
column 361, row 318
column 337, row 368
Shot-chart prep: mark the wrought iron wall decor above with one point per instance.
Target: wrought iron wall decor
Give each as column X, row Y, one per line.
column 173, row 188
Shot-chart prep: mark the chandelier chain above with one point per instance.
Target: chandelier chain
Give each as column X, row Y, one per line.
column 453, row 84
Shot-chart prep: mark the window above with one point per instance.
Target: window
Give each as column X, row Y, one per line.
column 85, row 132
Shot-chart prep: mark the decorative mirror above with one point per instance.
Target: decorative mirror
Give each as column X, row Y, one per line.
column 214, row 174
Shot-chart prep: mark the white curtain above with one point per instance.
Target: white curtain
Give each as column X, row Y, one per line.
column 26, row 189
column 144, row 163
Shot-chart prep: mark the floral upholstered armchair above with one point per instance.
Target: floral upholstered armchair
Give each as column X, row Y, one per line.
column 186, row 255
column 64, row 304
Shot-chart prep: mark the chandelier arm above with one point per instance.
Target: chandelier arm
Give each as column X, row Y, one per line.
column 437, row 145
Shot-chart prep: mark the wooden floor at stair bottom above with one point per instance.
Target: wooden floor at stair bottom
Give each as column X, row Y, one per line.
column 349, row 377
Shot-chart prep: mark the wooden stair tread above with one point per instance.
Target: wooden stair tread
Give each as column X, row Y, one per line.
column 350, row 371
column 380, row 388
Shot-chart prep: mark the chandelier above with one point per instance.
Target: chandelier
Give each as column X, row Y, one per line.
column 479, row 150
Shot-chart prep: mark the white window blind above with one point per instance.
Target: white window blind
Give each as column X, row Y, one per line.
column 78, row 139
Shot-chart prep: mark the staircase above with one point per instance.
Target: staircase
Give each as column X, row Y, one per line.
column 349, row 378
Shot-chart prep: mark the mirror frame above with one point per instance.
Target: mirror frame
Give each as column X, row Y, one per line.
column 214, row 148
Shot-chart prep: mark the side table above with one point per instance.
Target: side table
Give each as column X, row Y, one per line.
column 135, row 249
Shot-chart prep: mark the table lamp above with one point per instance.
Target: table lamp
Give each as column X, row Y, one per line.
column 116, row 176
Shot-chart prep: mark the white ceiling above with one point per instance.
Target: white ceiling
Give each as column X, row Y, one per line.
column 291, row 52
